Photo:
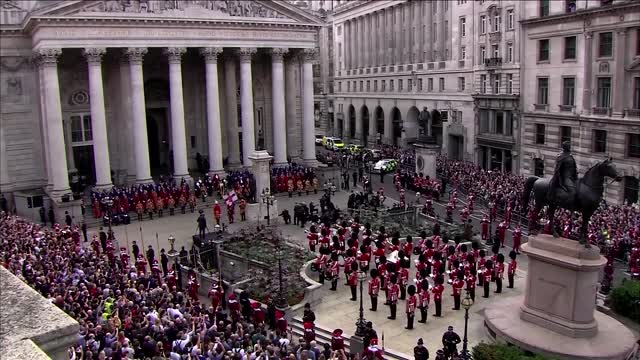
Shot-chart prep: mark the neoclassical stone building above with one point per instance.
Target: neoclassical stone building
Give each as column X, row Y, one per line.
column 134, row 88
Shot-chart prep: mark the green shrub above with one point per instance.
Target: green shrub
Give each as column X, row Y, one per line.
column 625, row 299
column 485, row 351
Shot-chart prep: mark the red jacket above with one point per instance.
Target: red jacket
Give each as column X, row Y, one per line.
column 411, row 304
column 437, row 292
column 374, row 287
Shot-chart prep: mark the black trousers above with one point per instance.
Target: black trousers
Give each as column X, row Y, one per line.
column 201, row 234
column 183, row 209
column 480, row 280
column 321, row 280
column 353, row 292
column 486, row 289
column 456, row 302
column 374, row 303
column 139, row 216
column 438, row 307
column 334, row 283
column 410, row 317
column 472, row 293
column 511, row 278
column 151, row 215
column 498, row 285
column 160, row 212
column 393, row 307
column 403, row 292
column 243, row 216
column 423, row 314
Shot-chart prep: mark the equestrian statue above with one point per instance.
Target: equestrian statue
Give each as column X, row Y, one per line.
column 565, row 190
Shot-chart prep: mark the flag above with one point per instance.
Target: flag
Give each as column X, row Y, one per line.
column 231, row 198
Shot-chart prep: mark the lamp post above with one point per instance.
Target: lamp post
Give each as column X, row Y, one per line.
column 268, row 199
column 490, row 239
column 466, row 303
column 173, row 255
column 281, row 300
column 361, row 324
column 107, row 201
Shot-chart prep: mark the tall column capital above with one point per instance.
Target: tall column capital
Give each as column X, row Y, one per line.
column 136, row 54
column 308, row 55
column 48, row 57
column 94, row 55
column 588, row 35
column 211, row 54
column 277, row 54
column 175, row 54
column 246, row 54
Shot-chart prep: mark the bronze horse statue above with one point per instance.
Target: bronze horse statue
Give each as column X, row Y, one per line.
column 586, row 201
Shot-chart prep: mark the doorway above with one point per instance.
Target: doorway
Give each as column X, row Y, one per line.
column 456, row 147
column 84, row 160
column 158, row 135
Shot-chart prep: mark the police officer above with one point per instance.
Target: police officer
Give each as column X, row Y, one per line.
column 420, row 352
column 450, row 341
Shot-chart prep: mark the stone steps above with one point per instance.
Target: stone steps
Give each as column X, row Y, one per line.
column 323, row 336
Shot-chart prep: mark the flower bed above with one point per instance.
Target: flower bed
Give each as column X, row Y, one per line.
column 264, row 283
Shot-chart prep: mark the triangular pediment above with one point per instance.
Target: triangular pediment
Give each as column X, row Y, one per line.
column 250, row 10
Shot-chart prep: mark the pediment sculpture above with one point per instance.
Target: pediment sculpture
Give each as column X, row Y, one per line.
column 180, row 8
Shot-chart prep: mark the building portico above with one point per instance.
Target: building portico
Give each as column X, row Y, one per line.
column 126, row 95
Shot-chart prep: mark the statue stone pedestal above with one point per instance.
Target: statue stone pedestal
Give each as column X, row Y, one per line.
column 557, row 315
column 426, row 155
column 260, row 168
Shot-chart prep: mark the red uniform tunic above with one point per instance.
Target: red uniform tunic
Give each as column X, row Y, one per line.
column 425, row 298
column 517, row 239
column 394, row 290
column 457, row 286
column 374, row 287
column 411, row 304
column 352, row 280
column 471, row 282
column 513, row 265
column 485, row 229
column 437, row 292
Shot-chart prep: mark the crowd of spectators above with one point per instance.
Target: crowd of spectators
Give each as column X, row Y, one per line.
column 293, row 178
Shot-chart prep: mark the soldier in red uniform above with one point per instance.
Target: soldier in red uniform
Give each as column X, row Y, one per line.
column 214, row 295
column 484, row 226
column 281, row 322
column 403, row 275
column 150, row 208
column 517, row 239
column 457, row 286
column 394, row 290
column 139, row 210
column 243, row 209
column 410, row 306
column 217, row 212
column 234, row 308
column 160, row 205
column 258, row 314
column 499, row 273
column 424, row 297
column 502, row 232
column 486, row 277
column 374, row 289
column 437, row 291
column 334, row 271
column 507, row 216
column 192, row 202
column 124, row 258
column 231, row 212
column 183, row 204
column 372, row 352
column 141, row 264
column 480, row 266
column 352, row 280
column 337, row 343
column 511, row 271
column 171, row 279
column 172, row 205
column 470, row 279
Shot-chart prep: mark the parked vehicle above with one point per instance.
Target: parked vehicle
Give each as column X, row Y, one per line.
column 319, row 139
column 385, row 165
column 334, row 144
column 355, row 149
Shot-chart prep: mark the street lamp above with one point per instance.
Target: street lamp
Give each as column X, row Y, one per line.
column 361, row 324
column 268, row 199
column 466, row 303
column 281, row 301
column 108, row 203
column 490, row 239
column 173, row 255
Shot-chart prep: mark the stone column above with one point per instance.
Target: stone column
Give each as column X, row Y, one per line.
column 277, row 93
column 354, row 44
column 368, row 43
column 359, row 134
column 71, row 164
column 375, row 39
column 619, row 73
column 48, row 61
column 587, row 69
column 373, row 127
column 345, row 43
column 125, row 113
column 440, row 39
column 383, row 37
column 388, row 128
column 308, row 128
column 5, row 180
column 139, row 116
column 231, row 116
column 178, row 132
column 214, row 129
column 43, row 122
column 406, row 41
column 291, row 97
column 98, row 118
column 398, row 43
column 246, row 105
column 428, row 40
column 419, row 33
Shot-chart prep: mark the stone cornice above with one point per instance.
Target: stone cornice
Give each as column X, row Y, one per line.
column 583, row 14
column 594, row 119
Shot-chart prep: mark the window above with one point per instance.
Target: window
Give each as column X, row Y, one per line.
column 495, row 51
column 638, row 42
column 631, row 189
column 361, row 85
column 605, row 44
column 81, row 128
column 599, row 141
column 543, row 50
column 499, row 122
column 483, row 54
column 368, row 85
column 441, row 84
column 565, row 134
column 496, row 22
column 430, row 84
column 446, row 28
column 339, row 30
column 538, row 167
column 375, row 85
column 339, row 86
column 510, row 19
column 496, row 84
column 463, row 52
column 544, row 7
column 409, row 85
column 509, row 53
column 570, row 6
column 400, row 84
column 390, row 85
column 383, row 85
column 509, row 83
column 355, row 86
column 419, row 84
column 483, row 84
column 463, row 27
column 540, row 128
column 570, row 48
column 543, row 91
column 348, row 86
column 604, row 92
column 568, row 91
column 633, row 145
column 461, row 84
column 636, row 93
column 483, row 24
